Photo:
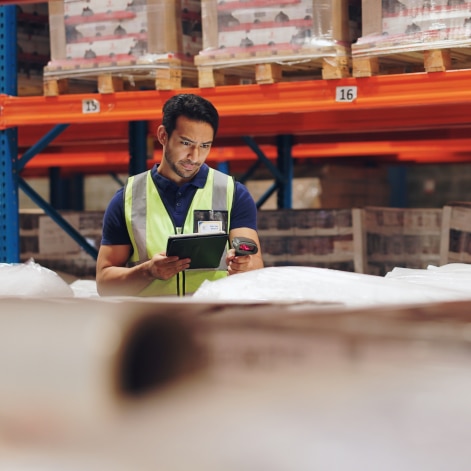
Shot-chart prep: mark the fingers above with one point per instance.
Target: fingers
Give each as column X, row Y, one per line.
column 184, row 264
column 239, row 264
column 164, row 268
column 178, row 265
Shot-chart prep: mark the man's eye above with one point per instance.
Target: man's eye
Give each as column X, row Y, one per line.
column 205, row 146
column 186, row 143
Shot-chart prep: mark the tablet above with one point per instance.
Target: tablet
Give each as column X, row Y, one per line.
column 205, row 250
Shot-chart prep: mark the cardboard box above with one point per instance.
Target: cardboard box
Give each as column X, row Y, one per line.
column 412, row 25
column 46, row 237
column 399, row 237
column 306, row 26
column 143, row 33
column 308, row 237
column 456, row 234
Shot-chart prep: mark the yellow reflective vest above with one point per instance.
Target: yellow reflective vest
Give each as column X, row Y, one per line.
column 149, row 225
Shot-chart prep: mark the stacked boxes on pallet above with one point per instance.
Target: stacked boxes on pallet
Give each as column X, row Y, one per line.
column 308, row 237
column 371, row 240
column 396, row 237
column 139, row 40
column 262, row 41
column 414, row 32
column 33, row 47
column 48, row 244
column 456, row 234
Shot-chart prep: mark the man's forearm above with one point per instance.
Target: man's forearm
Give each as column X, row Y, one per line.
column 123, row 281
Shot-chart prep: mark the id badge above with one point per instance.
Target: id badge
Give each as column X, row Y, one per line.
column 206, row 221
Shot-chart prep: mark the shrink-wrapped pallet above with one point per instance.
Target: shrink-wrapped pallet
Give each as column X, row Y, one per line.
column 415, row 33
column 122, row 40
column 300, row 36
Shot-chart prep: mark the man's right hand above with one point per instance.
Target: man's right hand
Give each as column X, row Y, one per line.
column 162, row 267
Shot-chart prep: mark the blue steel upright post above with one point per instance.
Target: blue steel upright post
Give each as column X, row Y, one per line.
column 137, row 147
column 285, row 166
column 9, row 206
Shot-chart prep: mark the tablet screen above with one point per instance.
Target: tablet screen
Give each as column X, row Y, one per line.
column 205, row 250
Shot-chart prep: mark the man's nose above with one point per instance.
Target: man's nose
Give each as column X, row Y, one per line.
column 194, row 152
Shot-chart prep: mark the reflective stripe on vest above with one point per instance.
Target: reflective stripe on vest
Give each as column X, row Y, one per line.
column 149, row 225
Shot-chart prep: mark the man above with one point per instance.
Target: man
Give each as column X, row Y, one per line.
column 177, row 196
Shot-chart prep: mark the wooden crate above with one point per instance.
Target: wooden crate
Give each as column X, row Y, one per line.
column 308, row 237
column 412, row 36
column 398, row 237
column 129, row 45
column 456, row 234
column 268, row 42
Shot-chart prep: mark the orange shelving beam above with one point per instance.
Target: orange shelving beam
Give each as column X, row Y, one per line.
column 392, row 102
column 109, row 156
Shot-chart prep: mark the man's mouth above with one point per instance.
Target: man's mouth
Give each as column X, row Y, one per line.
column 188, row 166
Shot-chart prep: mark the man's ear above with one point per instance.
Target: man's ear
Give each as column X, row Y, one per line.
column 162, row 135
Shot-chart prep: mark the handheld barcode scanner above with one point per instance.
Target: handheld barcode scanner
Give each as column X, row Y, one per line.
column 244, row 246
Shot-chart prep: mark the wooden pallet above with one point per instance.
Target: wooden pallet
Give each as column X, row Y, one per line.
column 266, row 66
column 418, row 58
column 29, row 86
column 116, row 76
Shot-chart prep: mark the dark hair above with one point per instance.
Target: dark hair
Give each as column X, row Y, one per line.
column 192, row 107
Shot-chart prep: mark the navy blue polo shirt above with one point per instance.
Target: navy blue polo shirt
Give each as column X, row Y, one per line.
column 177, row 200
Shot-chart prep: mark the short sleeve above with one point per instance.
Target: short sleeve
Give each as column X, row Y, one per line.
column 114, row 223
column 244, row 209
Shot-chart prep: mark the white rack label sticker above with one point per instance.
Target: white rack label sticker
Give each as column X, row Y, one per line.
column 346, row 94
column 90, row 106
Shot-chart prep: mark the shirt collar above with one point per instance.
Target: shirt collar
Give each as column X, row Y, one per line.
column 163, row 183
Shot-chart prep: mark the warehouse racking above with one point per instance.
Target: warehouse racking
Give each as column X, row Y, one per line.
column 419, row 117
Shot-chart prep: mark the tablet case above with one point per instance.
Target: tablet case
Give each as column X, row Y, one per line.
column 205, row 250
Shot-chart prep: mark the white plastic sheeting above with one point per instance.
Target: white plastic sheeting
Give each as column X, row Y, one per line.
column 284, row 284
column 84, row 288
column 454, row 276
column 325, row 285
column 31, row 279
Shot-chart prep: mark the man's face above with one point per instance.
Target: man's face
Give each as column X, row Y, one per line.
column 186, row 149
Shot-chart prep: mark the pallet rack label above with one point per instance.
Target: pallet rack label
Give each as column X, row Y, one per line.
column 346, row 94
column 90, row 106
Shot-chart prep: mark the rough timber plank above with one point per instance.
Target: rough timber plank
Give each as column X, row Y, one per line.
column 335, row 68
column 109, row 84
column 268, row 73
column 367, row 62
column 169, row 74
column 437, row 60
column 388, row 64
column 271, row 66
column 55, row 87
column 168, row 78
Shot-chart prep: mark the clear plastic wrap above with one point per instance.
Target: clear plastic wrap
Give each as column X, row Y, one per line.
column 411, row 25
column 453, row 276
column 31, row 279
column 122, row 37
column 323, row 285
column 243, row 33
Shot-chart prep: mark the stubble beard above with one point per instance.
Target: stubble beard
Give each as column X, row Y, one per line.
column 182, row 173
